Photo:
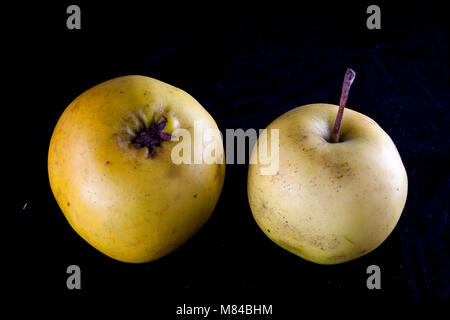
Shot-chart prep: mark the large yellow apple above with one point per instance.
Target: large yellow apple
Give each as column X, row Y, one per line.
column 329, row 202
column 112, row 174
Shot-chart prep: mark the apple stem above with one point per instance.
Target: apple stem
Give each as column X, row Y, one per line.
column 348, row 80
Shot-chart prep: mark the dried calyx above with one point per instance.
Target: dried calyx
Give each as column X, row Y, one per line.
column 152, row 136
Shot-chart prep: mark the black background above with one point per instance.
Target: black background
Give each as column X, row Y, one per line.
column 246, row 66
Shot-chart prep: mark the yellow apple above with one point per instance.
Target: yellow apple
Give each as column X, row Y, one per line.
column 329, row 202
column 111, row 171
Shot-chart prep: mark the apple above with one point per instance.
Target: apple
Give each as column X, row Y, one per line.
column 111, row 170
column 340, row 188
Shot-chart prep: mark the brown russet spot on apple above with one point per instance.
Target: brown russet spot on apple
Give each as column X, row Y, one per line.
column 338, row 257
column 348, row 239
column 329, row 242
column 219, row 173
column 339, row 170
column 174, row 171
column 128, row 119
column 308, row 149
column 177, row 196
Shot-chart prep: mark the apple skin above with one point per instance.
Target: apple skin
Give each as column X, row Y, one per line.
column 130, row 207
column 329, row 202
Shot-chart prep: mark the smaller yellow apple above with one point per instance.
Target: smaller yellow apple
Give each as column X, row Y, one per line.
column 338, row 194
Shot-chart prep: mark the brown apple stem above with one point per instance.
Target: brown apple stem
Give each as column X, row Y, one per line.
column 348, row 80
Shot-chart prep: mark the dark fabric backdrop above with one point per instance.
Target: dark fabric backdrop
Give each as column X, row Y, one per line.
column 246, row 66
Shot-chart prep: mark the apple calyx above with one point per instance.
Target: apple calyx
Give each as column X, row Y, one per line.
column 348, row 80
column 152, row 136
